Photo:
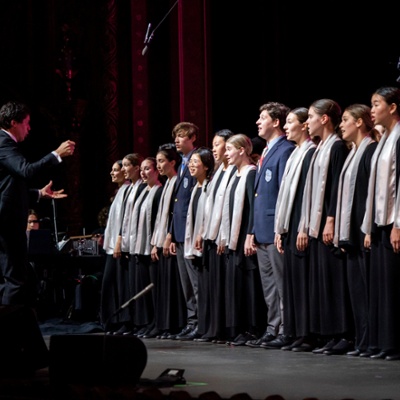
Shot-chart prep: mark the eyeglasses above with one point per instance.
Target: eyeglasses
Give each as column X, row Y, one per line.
column 33, row 221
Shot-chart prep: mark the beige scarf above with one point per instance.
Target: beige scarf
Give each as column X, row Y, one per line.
column 163, row 214
column 140, row 229
column 288, row 188
column 347, row 183
column 126, row 220
column 215, row 202
column 314, row 191
column 195, row 226
column 114, row 220
column 382, row 185
column 229, row 234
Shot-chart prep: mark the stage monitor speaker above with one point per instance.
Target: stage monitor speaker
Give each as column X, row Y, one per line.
column 96, row 359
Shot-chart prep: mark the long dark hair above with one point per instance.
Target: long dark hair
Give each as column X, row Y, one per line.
column 391, row 94
column 171, row 154
column 331, row 108
column 207, row 158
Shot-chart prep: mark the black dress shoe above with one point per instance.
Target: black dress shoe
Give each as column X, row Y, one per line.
column 165, row 335
column 241, row 339
column 151, row 335
column 187, row 329
column 389, row 355
column 368, row 353
column 190, row 336
column 278, row 343
column 354, row 353
column 303, row 348
column 140, row 332
column 172, row 336
column 298, row 342
column 219, row 341
column 122, row 330
column 267, row 337
column 203, row 339
column 393, row 357
column 342, row 347
column 328, row 346
column 162, row 335
column 380, row 356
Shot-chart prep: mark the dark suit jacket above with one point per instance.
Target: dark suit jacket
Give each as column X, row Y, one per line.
column 15, row 197
column 181, row 199
column 266, row 186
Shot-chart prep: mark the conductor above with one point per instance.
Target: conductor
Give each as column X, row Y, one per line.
column 15, row 199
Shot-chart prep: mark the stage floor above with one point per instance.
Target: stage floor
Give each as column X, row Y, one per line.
column 260, row 373
column 230, row 371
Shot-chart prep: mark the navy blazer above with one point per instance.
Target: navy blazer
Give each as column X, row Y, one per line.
column 266, row 188
column 181, row 199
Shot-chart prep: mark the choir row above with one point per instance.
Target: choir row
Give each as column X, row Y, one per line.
column 298, row 250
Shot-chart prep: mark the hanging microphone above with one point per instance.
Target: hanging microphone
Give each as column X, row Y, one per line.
column 144, row 51
column 147, row 39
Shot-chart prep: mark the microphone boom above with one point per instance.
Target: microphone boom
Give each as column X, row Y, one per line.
column 137, row 295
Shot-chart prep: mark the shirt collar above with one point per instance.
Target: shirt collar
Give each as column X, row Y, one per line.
column 272, row 143
column 11, row 136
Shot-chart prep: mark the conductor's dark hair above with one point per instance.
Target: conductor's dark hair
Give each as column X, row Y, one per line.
column 13, row 111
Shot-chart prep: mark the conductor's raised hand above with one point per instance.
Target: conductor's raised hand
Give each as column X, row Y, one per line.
column 48, row 193
column 66, row 149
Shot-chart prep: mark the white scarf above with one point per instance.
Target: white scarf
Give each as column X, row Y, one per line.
column 114, row 220
column 140, row 229
column 347, row 183
column 195, row 227
column 162, row 219
column 128, row 208
column 314, row 191
column 215, row 203
column 382, row 185
column 229, row 234
column 288, row 188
